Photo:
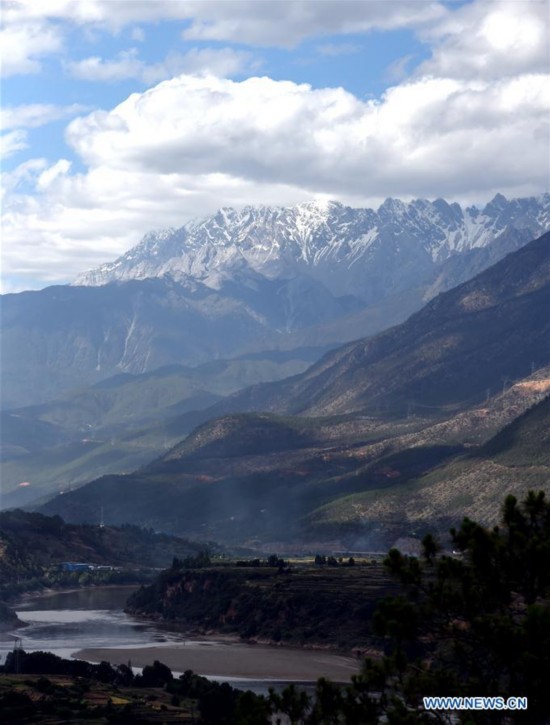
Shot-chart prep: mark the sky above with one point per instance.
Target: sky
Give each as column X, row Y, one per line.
column 123, row 116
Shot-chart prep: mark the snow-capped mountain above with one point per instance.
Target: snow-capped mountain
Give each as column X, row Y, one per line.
column 260, row 280
column 369, row 254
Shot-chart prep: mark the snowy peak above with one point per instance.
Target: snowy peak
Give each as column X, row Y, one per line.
column 154, row 250
column 351, row 251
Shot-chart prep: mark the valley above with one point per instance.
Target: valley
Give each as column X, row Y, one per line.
column 382, row 438
column 119, row 423
column 275, row 362
column 281, row 441
column 251, row 495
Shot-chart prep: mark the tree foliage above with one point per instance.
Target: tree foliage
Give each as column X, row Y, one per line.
column 474, row 623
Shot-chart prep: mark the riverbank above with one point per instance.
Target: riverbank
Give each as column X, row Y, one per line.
column 327, row 607
column 31, row 596
column 100, row 631
column 223, row 659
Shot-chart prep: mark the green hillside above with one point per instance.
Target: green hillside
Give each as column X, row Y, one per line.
column 263, row 477
column 514, row 461
column 524, row 442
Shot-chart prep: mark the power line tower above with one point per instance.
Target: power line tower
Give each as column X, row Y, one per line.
column 17, row 654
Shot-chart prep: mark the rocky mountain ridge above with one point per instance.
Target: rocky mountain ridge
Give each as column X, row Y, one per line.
column 260, row 280
column 362, row 252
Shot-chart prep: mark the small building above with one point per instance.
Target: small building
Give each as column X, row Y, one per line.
column 76, row 566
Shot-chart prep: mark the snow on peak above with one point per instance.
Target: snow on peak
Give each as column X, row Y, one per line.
column 336, row 244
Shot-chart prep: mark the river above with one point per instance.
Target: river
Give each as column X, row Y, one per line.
column 91, row 624
column 63, row 622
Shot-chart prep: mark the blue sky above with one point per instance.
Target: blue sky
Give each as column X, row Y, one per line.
column 120, row 116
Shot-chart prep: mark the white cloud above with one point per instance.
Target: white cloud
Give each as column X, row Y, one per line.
column 15, row 119
column 94, row 68
column 32, row 30
column 24, row 43
column 473, row 121
column 216, row 61
column 192, row 144
column 19, row 11
column 398, row 70
column 321, row 140
column 491, row 39
column 12, row 179
column 487, row 37
column 35, row 114
column 12, row 142
column 282, row 23
column 50, row 174
column 288, row 22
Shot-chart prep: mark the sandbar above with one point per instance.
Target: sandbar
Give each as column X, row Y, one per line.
column 222, row 659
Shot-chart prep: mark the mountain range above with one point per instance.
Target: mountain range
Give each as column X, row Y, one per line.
column 366, row 253
column 389, row 426
column 263, row 279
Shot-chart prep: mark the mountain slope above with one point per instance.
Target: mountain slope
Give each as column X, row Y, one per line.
column 463, row 345
column 64, row 337
column 31, row 543
column 523, row 442
column 514, row 461
column 265, row 477
column 119, row 423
